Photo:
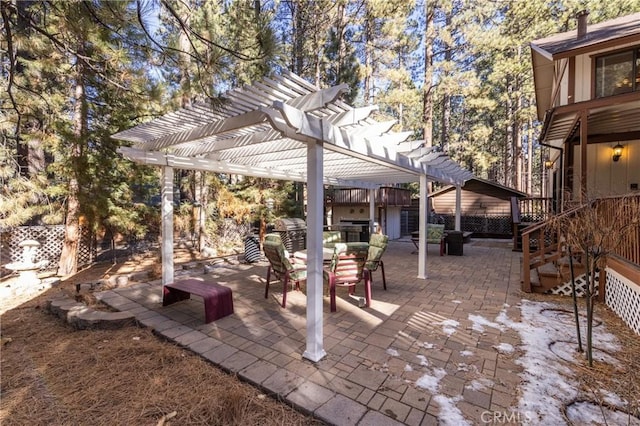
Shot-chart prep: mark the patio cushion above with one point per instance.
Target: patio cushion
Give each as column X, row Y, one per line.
column 377, row 246
column 331, row 238
column 284, row 267
column 435, row 233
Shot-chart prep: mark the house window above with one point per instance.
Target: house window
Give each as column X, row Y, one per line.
column 618, row 73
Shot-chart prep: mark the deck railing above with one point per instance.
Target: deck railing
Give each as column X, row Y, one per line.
column 388, row 196
column 620, row 210
column 540, row 242
column 528, row 211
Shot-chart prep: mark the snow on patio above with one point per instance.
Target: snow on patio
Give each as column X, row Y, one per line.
column 549, row 390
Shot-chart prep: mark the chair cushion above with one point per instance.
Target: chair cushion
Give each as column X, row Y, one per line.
column 330, row 238
column 279, row 258
column 435, row 232
column 377, row 246
column 348, row 261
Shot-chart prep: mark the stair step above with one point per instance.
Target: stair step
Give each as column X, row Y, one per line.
column 534, row 279
column 548, row 270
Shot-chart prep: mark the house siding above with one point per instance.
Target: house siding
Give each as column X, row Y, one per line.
column 477, row 199
column 607, row 177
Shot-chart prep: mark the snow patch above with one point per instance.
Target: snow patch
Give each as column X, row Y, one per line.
column 449, row 413
column 479, row 322
column 392, row 352
column 423, row 360
column 504, row 348
column 430, row 382
column 449, row 326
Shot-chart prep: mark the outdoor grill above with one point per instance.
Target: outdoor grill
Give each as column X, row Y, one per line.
column 293, row 232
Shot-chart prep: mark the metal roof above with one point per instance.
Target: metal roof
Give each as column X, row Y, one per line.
column 263, row 130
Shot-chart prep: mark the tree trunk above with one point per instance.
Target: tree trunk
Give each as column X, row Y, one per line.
column 446, row 98
column 29, row 153
column 298, row 38
column 530, row 157
column 368, row 34
column 69, row 256
column 427, row 90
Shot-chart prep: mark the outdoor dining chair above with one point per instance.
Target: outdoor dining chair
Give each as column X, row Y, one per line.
column 284, row 268
column 377, row 246
column 347, row 268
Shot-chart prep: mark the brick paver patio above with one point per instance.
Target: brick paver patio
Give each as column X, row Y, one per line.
column 408, row 359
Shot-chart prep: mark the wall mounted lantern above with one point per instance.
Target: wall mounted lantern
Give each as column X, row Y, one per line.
column 617, row 152
column 548, row 164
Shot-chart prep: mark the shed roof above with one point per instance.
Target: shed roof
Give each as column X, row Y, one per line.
column 511, row 191
column 263, row 130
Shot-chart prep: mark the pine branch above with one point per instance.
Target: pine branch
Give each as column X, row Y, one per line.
column 188, row 30
column 6, row 6
column 162, row 48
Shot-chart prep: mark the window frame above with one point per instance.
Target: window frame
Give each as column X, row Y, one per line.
column 635, row 69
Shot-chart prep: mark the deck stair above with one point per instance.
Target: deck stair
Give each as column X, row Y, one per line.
column 552, row 274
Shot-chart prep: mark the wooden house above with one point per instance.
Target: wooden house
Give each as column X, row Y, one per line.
column 479, row 197
column 587, row 86
column 485, row 208
column 350, row 207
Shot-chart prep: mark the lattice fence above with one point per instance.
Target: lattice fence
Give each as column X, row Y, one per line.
column 50, row 239
column 490, row 225
column 623, row 297
column 581, row 284
column 482, row 225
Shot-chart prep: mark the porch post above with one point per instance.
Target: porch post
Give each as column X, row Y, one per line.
column 584, row 117
column 458, row 206
column 167, row 225
column 314, row 351
column 422, row 223
column 372, row 210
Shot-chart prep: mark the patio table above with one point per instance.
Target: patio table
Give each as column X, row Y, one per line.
column 327, row 255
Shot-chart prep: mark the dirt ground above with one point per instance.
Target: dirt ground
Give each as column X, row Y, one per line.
column 53, row 374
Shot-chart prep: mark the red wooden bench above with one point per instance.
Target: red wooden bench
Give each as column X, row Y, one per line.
column 218, row 299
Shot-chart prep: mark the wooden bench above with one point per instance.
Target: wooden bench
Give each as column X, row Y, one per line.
column 218, row 299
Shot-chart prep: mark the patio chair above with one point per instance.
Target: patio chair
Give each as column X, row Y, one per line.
column 347, row 269
column 286, row 269
column 377, row 246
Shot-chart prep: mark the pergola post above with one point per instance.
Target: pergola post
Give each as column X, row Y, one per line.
column 458, row 206
column 372, row 210
column 315, row 350
column 167, row 225
column 423, row 219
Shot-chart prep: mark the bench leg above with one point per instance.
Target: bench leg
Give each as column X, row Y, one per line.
column 173, row 295
column 218, row 306
column 384, row 279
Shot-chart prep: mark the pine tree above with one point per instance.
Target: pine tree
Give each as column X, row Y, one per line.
column 93, row 53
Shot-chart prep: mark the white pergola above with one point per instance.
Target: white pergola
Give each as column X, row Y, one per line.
column 286, row 128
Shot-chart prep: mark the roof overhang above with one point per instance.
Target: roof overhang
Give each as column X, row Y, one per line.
column 609, row 119
column 264, row 130
column 547, row 53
